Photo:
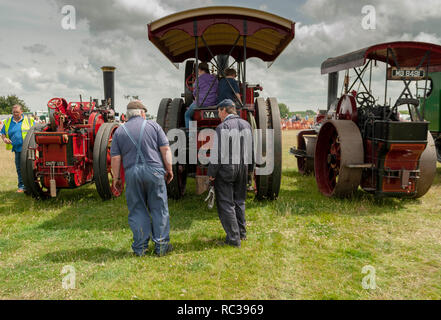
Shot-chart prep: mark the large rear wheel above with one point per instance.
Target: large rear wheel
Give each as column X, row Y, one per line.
column 28, row 159
column 306, row 141
column 339, row 145
column 171, row 116
column 268, row 120
column 102, row 162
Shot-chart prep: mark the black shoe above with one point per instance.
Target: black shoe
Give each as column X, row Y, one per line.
column 233, row 244
column 162, row 253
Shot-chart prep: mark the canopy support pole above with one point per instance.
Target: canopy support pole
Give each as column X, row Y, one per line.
column 244, row 80
column 425, row 86
column 385, row 85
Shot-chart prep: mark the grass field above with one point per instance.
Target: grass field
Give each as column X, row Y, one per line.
column 303, row 246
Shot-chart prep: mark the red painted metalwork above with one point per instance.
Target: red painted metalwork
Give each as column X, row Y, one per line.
column 66, row 154
column 347, row 108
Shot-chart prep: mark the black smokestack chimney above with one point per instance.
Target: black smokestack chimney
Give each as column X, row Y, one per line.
column 109, row 85
column 332, row 87
column 222, row 62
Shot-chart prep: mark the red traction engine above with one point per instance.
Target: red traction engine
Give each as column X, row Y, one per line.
column 366, row 142
column 73, row 149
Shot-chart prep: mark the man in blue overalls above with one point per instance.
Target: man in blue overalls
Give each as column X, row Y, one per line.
column 143, row 148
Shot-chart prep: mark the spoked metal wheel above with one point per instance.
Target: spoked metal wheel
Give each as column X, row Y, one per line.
column 427, row 168
column 102, row 172
column 34, row 184
column 171, row 116
column 306, row 141
column 268, row 117
column 339, row 145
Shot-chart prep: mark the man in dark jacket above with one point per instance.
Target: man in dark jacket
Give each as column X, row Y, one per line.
column 235, row 150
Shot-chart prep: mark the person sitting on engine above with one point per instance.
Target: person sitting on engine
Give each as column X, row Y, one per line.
column 206, row 93
column 228, row 87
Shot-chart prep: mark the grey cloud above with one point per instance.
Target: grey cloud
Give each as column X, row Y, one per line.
column 38, row 48
column 129, row 17
column 4, row 66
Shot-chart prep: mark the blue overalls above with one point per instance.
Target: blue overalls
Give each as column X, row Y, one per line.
column 146, row 195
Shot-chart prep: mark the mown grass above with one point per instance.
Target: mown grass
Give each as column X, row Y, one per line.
column 303, row 246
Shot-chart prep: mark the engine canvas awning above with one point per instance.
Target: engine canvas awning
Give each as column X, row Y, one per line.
column 407, row 53
column 221, row 30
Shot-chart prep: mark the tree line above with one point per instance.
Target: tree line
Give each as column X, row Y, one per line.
column 286, row 113
column 7, row 102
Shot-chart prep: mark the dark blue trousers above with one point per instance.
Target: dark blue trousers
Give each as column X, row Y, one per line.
column 17, row 166
column 146, row 195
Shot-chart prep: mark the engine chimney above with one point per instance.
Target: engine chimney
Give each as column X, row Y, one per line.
column 332, row 87
column 109, row 84
column 222, row 62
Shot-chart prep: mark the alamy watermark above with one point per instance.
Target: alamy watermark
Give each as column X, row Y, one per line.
column 209, row 146
column 69, row 20
column 69, row 280
column 369, row 21
column 369, row 281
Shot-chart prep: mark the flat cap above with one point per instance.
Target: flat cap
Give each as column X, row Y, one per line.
column 136, row 104
column 226, row 103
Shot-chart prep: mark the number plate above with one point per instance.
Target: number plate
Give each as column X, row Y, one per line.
column 394, row 73
column 54, row 163
column 209, row 115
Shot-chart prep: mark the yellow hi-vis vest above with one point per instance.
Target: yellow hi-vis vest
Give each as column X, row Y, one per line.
column 25, row 126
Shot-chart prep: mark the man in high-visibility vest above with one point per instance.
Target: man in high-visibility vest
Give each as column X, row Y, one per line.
column 13, row 133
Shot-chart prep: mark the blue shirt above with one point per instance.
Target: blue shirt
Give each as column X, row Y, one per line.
column 153, row 138
column 14, row 134
column 224, row 90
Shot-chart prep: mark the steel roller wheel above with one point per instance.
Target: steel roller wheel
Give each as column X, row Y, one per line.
column 306, row 141
column 268, row 117
column 427, row 168
column 261, row 181
column 28, row 159
column 102, row 162
column 274, row 123
column 162, row 111
column 339, row 145
column 171, row 116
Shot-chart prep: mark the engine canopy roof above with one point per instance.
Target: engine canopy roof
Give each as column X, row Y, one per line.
column 407, row 53
column 222, row 27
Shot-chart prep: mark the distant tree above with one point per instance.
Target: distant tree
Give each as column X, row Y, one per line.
column 284, row 110
column 7, row 102
column 310, row 112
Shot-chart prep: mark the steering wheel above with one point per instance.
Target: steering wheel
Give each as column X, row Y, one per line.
column 55, row 103
column 365, row 99
column 190, row 81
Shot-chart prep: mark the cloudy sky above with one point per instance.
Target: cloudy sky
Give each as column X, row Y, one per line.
column 40, row 60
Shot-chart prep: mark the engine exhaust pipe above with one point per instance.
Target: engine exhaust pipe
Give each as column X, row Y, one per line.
column 222, row 62
column 332, row 87
column 109, row 85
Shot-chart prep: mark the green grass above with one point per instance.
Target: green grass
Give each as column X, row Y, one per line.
column 303, row 246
